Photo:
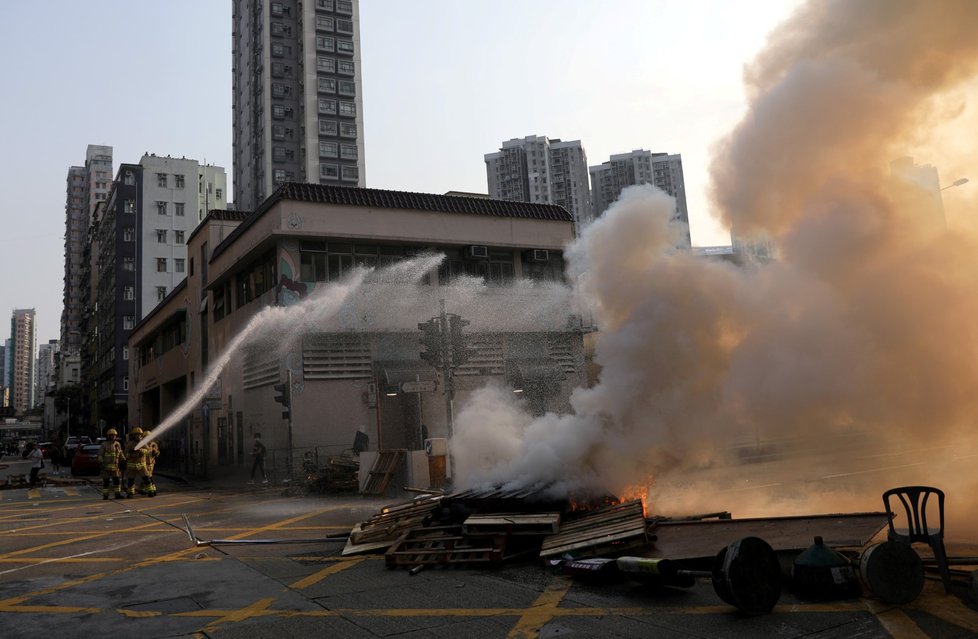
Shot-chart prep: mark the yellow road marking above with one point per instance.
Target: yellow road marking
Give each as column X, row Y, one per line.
column 71, row 491
column 256, row 609
column 318, row 576
column 33, row 493
column 542, row 610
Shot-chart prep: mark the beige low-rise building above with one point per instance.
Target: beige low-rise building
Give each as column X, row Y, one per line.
column 330, row 287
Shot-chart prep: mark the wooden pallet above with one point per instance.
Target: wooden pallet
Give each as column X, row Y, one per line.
column 512, row 524
column 391, row 522
column 609, row 530
column 442, row 545
column 384, row 468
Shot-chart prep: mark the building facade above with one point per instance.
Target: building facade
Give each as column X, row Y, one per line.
column 23, row 338
column 350, row 358
column 47, row 373
column 139, row 239
column 86, row 186
column 662, row 170
column 6, row 350
column 297, row 96
column 543, row 171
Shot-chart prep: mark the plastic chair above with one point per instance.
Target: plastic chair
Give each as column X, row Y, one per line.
column 914, row 500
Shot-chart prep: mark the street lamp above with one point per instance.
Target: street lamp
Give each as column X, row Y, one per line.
column 957, row 182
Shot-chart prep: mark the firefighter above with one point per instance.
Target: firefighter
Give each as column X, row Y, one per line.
column 110, row 454
column 135, row 464
column 152, row 452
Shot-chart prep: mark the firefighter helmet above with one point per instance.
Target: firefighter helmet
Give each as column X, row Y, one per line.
column 111, row 432
column 137, row 431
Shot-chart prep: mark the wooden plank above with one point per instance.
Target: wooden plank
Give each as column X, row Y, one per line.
column 512, row 524
column 701, row 539
column 609, row 530
column 384, row 467
column 443, row 545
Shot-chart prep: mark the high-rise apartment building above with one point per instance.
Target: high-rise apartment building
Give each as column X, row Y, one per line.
column 543, row 171
column 87, row 185
column 139, row 239
column 46, row 371
column 6, row 350
column 662, row 170
column 23, row 338
column 297, row 97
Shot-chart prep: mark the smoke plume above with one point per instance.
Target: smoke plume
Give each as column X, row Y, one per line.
column 846, row 365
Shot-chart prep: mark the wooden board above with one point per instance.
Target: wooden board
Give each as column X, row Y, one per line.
column 512, row 524
column 608, row 530
column 701, row 539
column 391, row 522
column 384, row 468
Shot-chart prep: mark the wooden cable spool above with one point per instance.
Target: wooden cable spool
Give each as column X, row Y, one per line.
column 893, row 571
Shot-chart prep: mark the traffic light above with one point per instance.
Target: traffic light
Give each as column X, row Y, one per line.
column 460, row 353
column 431, row 339
column 284, row 397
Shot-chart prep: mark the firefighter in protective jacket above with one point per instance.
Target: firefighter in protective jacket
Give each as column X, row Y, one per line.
column 110, row 454
column 152, row 452
column 135, row 464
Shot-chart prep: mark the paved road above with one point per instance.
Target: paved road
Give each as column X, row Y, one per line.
column 76, row 566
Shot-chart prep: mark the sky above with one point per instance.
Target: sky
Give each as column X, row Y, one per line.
column 444, row 83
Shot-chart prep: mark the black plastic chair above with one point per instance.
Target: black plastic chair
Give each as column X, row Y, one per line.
column 914, row 500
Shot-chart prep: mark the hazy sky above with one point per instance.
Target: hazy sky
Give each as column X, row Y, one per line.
column 444, row 82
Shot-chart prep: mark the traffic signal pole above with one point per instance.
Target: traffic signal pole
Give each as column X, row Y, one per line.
column 447, row 373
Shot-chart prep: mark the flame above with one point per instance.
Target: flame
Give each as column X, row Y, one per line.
column 638, row 492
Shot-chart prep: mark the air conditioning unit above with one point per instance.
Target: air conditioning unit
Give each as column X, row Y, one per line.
column 477, row 252
column 538, row 255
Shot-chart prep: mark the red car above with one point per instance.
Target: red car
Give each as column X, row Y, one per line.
column 85, row 460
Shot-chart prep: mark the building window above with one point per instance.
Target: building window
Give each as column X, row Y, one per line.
column 280, row 90
column 125, row 353
column 348, row 151
column 279, row 9
column 282, row 132
column 279, row 29
column 327, row 85
column 178, row 237
column 325, row 65
column 328, row 149
column 129, row 264
column 344, row 67
column 217, row 193
column 344, row 46
column 324, row 23
column 178, row 264
column 329, row 171
column 125, row 381
column 161, row 180
column 279, row 176
column 351, row 173
column 349, row 109
column 161, row 236
column 348, row 130
column 344, row 6
column 128, row 293
column 344, row 26
column 129, row 206
column 161, row 208
column 281, row 154
column 178, row 208
column 348, row 87
column 129, row 179
column 280, row 112
column 280, row 50
column 325, row 5
column 160, row 293
column 327, row 127
column 128, row 321
column 161, row 265
column 179, row 180
column 327, row 107
column 128, row 234
column 324, row 43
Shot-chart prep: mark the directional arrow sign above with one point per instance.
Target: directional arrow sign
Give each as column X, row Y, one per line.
column 426, row 386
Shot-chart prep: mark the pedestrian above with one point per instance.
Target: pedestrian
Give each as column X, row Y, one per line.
column 136, row 464
column 56, row 457
column 258, row 451
column 152, row 452
column 110, row 455
column 36, row 458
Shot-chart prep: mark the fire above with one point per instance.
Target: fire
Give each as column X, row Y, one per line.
column 638, row 492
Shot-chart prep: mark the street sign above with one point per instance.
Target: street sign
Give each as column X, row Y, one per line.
column 426, row 386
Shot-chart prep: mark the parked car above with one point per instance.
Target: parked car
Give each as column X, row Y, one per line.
column 46, row 448
column 85, row 461
column 73, row 444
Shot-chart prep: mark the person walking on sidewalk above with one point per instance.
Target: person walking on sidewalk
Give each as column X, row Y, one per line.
column 110, row 454
column 258, row 451
column 36, row 457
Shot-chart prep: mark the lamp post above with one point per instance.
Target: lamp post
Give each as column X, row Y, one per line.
column 957, row 182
